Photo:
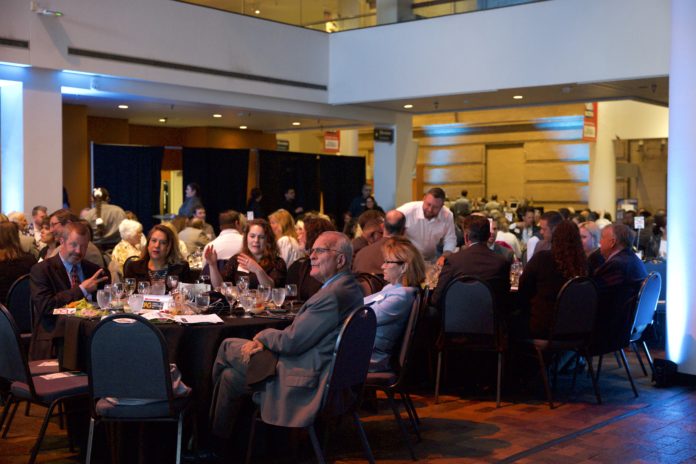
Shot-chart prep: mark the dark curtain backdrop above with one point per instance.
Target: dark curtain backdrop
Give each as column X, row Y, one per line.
column 280, row 170
column 132, row 176
column 342, row 178
column 222, row 175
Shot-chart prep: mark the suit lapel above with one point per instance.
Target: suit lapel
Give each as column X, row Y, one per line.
column 59, row 270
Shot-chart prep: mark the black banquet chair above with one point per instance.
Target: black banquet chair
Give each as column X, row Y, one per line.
column 128, row 361
column 395, row 381
column 573, row 326
column 370, row 283
column 347, row 373
column 19, row 305
column 648, row 297
column 470, row 322
column 46, row 391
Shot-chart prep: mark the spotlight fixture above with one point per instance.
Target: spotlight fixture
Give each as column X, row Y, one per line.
column 517, row 97
column 217, row 115
column 257, row 12
column 123, row 107
column 242, row 127
column 408, row 106
column 162, row 119
column 296, row 123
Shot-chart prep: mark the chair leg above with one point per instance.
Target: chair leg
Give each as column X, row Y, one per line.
column 42, row 432
column 6, row 409
column 27, row 408
column 252, row 433
column 402, row 426
column 650, row 359
column 315, row 444
column 575, row 371
column 179, row 433
column 634, row 348
column 90, row 439
column 628, row 372
column 618, row 360
column 363, row 439
column 599, row 365
column 545, row 377
column 437, row 377
column 413, row 408
column 411, row 416
column 500, row 378
column 61, row 413
column 595, row 379
column 10, row 419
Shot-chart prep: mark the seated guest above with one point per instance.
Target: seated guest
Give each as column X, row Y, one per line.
column 176, row 225
column 526, row 228
column 476, row 260
column 49, row 240
column 370, row 259
column 159, row 259
column 371, row 226
column 229, row 242
column 104, row 218
column 130, row 245
column 259, row 259
column 193, row 235
column 300, row 231
column 371, row 203
column 26, row 242
column 303, row 350
column 504, row 235
column 590, row 233
column 404, row 270
column 299, row 272
column 58, row 220
column 207, row 228
column 501, row 248
column 14, row 262
column 622, row 266
column 38, row 214
column 283, row 226
column 546, row 273
column 59, row 280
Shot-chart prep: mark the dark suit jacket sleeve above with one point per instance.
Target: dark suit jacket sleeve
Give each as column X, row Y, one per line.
column 43, row 292
column 446, row 275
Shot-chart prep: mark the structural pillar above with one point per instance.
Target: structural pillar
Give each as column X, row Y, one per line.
column 394, row 11
column 394, row 164
column 602, row 186
column 681, row 190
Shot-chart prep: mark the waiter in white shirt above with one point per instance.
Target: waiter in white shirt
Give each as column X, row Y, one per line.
column 428, row 222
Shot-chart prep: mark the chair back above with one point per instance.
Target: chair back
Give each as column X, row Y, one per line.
column 128, row 359
column 351, row 360
column 13, row 359
column 648, row 296
column 19, row 304
column 615, row 314
column 468, row 307
column 221, row 263
column 576, row 309
column 370, row 283
column 659, row 267
column 128, row 262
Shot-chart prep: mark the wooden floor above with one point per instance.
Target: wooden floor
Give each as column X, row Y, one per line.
column 658, row 426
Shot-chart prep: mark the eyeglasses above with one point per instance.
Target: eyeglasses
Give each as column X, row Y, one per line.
column 387, row 261
column 321, row 251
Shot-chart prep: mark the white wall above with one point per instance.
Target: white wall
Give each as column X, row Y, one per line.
column 560, row 41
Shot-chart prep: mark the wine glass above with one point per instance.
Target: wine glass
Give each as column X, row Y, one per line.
column 264, row 292
column 243, row 283
column 144, row 288
column 103, row 299
column 130, row 285
column 278, row 295
column 291, row 294
column 230, row 296
column 248, row 302
column 118, row 289
column 172, row 282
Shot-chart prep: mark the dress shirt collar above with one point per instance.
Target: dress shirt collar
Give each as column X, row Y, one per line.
column 334, row 277
column 68, row 267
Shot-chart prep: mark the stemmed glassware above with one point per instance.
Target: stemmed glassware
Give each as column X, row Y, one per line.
column 172, row 282
column 264, row 292
column 130, row 285
column 291, row 294
column 243, row 283
column 248, row 301
column 144, row 287
column 118, row 289
column 278, row 296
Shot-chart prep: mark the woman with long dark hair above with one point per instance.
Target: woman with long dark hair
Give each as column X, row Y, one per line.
column 546, row 273
column 13, row 261
column 160, row 258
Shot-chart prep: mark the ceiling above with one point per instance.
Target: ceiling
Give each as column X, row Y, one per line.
column 149, row 112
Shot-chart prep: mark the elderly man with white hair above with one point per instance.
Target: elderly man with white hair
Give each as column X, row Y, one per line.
column 130, row 245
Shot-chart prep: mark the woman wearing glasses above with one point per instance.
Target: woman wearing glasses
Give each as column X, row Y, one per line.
column 404, row 270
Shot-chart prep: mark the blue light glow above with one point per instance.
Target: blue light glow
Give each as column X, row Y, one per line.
column 65, row 90
column 12, row 145
column 16, row 65
column 79, row 73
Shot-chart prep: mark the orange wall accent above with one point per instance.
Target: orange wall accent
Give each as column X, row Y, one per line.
column 76, row 159
column 107, row 130
column 155, row 136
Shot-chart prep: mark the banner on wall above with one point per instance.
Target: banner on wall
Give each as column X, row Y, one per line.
column 589, row 124
column 332, row 141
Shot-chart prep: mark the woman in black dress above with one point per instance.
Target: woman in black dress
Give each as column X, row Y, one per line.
column 14, row 262
column 159, row 259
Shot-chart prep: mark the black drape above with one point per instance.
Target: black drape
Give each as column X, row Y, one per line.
column 132, row 176
column 222, row 175
column 280, row 170
column 342, row 178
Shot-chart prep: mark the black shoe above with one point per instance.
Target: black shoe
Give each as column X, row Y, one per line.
column 201, row 456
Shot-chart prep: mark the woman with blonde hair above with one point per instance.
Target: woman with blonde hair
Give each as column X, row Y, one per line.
column 283, row 226
column 589, row 234
column 404, row 270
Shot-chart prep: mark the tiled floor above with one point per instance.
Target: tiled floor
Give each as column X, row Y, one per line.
column 659, row 426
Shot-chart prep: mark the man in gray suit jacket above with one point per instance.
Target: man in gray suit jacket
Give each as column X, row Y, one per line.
column 304, row 349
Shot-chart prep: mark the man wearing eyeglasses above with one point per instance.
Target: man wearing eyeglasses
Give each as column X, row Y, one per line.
column 298, row 356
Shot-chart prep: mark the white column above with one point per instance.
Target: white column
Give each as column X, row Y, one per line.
column 349, row 142
column 394, row 164
column 602, row 188
column 681, row 189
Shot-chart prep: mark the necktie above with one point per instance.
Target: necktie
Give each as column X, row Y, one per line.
column 74, row 278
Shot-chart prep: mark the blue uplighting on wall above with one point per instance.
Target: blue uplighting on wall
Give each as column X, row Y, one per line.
column 12, row 143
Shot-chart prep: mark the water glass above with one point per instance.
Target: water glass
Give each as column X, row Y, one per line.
column 264, row 292
column 248, row 302
column 144, row 288
column 118, row 289
column 278, row 295
column 243, row 283
column 104, row 299
column 135, row 302
column 130, row 285
column 203, row 300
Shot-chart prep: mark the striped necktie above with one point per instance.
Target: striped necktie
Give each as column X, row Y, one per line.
column 74, row 277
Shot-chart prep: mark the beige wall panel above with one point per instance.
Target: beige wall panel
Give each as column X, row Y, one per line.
column 505, row 172
column 453, row 191
column 546, row 151
column 559, row 192
column 520, row 114
column 551, row 206
column 458, row 173
column 504, row 137
column 451, row 155
column 432, row 119
column 573, row 172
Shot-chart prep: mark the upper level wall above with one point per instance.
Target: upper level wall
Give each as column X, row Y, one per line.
column 169, row 31
column 552, row 42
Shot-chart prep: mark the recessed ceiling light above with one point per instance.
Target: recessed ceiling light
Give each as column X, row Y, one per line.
column 408, row 106
column 123, row 107
column 162, row 119
column 518, row 97
column 296, row 123
column 217, row 115
column 242, row 127
column 257, row 11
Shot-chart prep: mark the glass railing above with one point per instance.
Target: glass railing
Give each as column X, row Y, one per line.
column 335, row 16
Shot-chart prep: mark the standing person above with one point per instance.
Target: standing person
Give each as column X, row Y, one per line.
column 371, row 204
column 290, row 203
column 192, row 201
column 462, row 206
column 545, row 275
column 59, row 280
column 357, row 205
column 159, row 259
column 254, row 204
column 286, row 238
column 429, row 221
column 259, row 259
column 104, row 218
column 14, row 262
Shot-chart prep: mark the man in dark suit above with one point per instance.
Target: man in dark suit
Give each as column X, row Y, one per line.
column 370, row 259
column 59, row 280
column 292, row 396
column 622, row 266
column 477, row 260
